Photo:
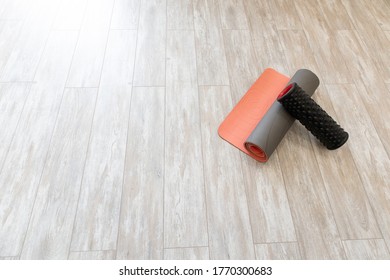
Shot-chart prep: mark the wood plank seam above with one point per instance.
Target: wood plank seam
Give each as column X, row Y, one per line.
column 90, row 130
column 360, row 178
column 201, row 140
column 371, row 199
column 40, row 177
column 127, row 136
column 13, row 134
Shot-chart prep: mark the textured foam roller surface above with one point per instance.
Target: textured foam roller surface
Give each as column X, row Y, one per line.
column 302, row 107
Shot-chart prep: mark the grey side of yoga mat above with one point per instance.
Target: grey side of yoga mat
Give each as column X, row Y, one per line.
column 276, row 122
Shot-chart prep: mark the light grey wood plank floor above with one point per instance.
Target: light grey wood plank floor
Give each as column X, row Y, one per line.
column 267, row 45
column 12, row 99
column 92, row 255
column 125, row 14
column 278, row 251
column 9, row 258
column 344, row 189
column 233, row 14
column 103, row 174
column 151, row 44
column 370, row 33
column 9, row 31
column 279, row 10
column 50, row 229
column 227, row 211
column 370, row 249
column 24, row 163
column 143, row 186
column 368, row 152
column 183, row 182
column 24, row 58
column 211, row 57
column 194, row 253
column 109, row 117
column 180, row 14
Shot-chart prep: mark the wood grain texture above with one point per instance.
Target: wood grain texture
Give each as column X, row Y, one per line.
column 118, row 67
column 50, row 229
column 54, row 64
column 264, row 185
column 9, row 31
column 89, row 54
column 367, row 150
column 350, row 204
column 322, row 42
column 241, row 62
column 125, row 14
column 100, row 197
column 92, row 255
column 150, row 57
column 284, row 14
column 308, row 199
column 233, row 14
column 9, row 258
column 174, row 56
column 370, row 249
column 387, row 35
column 27, row 154
column 375, row 41
column 12, row 99
column 142, row 208
column 229, row 228
column 194, row 253
column 99, row 202
column 88, row 59
column 277, row 251
column 297, row 51
column 367, row 77
column 184, row 183
column 380, row 9
column 24, row 58
column 180, row 14
column 267, row 200
column 24, row 164
column 267, row 44
column 343, row 185
column 210, row 55
column 330, row 8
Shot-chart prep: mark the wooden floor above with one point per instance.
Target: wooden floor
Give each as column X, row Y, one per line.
column 109, row 112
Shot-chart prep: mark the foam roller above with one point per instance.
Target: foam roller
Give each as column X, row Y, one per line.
column 302, row 107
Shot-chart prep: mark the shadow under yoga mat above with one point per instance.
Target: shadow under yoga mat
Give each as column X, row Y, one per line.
column 258, row 123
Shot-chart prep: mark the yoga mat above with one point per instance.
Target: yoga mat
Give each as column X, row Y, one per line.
column 258, row 123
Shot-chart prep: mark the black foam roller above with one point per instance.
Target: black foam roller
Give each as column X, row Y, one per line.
column 302, row 107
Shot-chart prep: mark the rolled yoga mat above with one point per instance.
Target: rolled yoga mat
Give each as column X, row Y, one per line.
column 258, row 123
column 300, row 106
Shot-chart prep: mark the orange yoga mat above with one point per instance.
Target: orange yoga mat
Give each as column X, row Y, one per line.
column 258, row 123
column 248, row 112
